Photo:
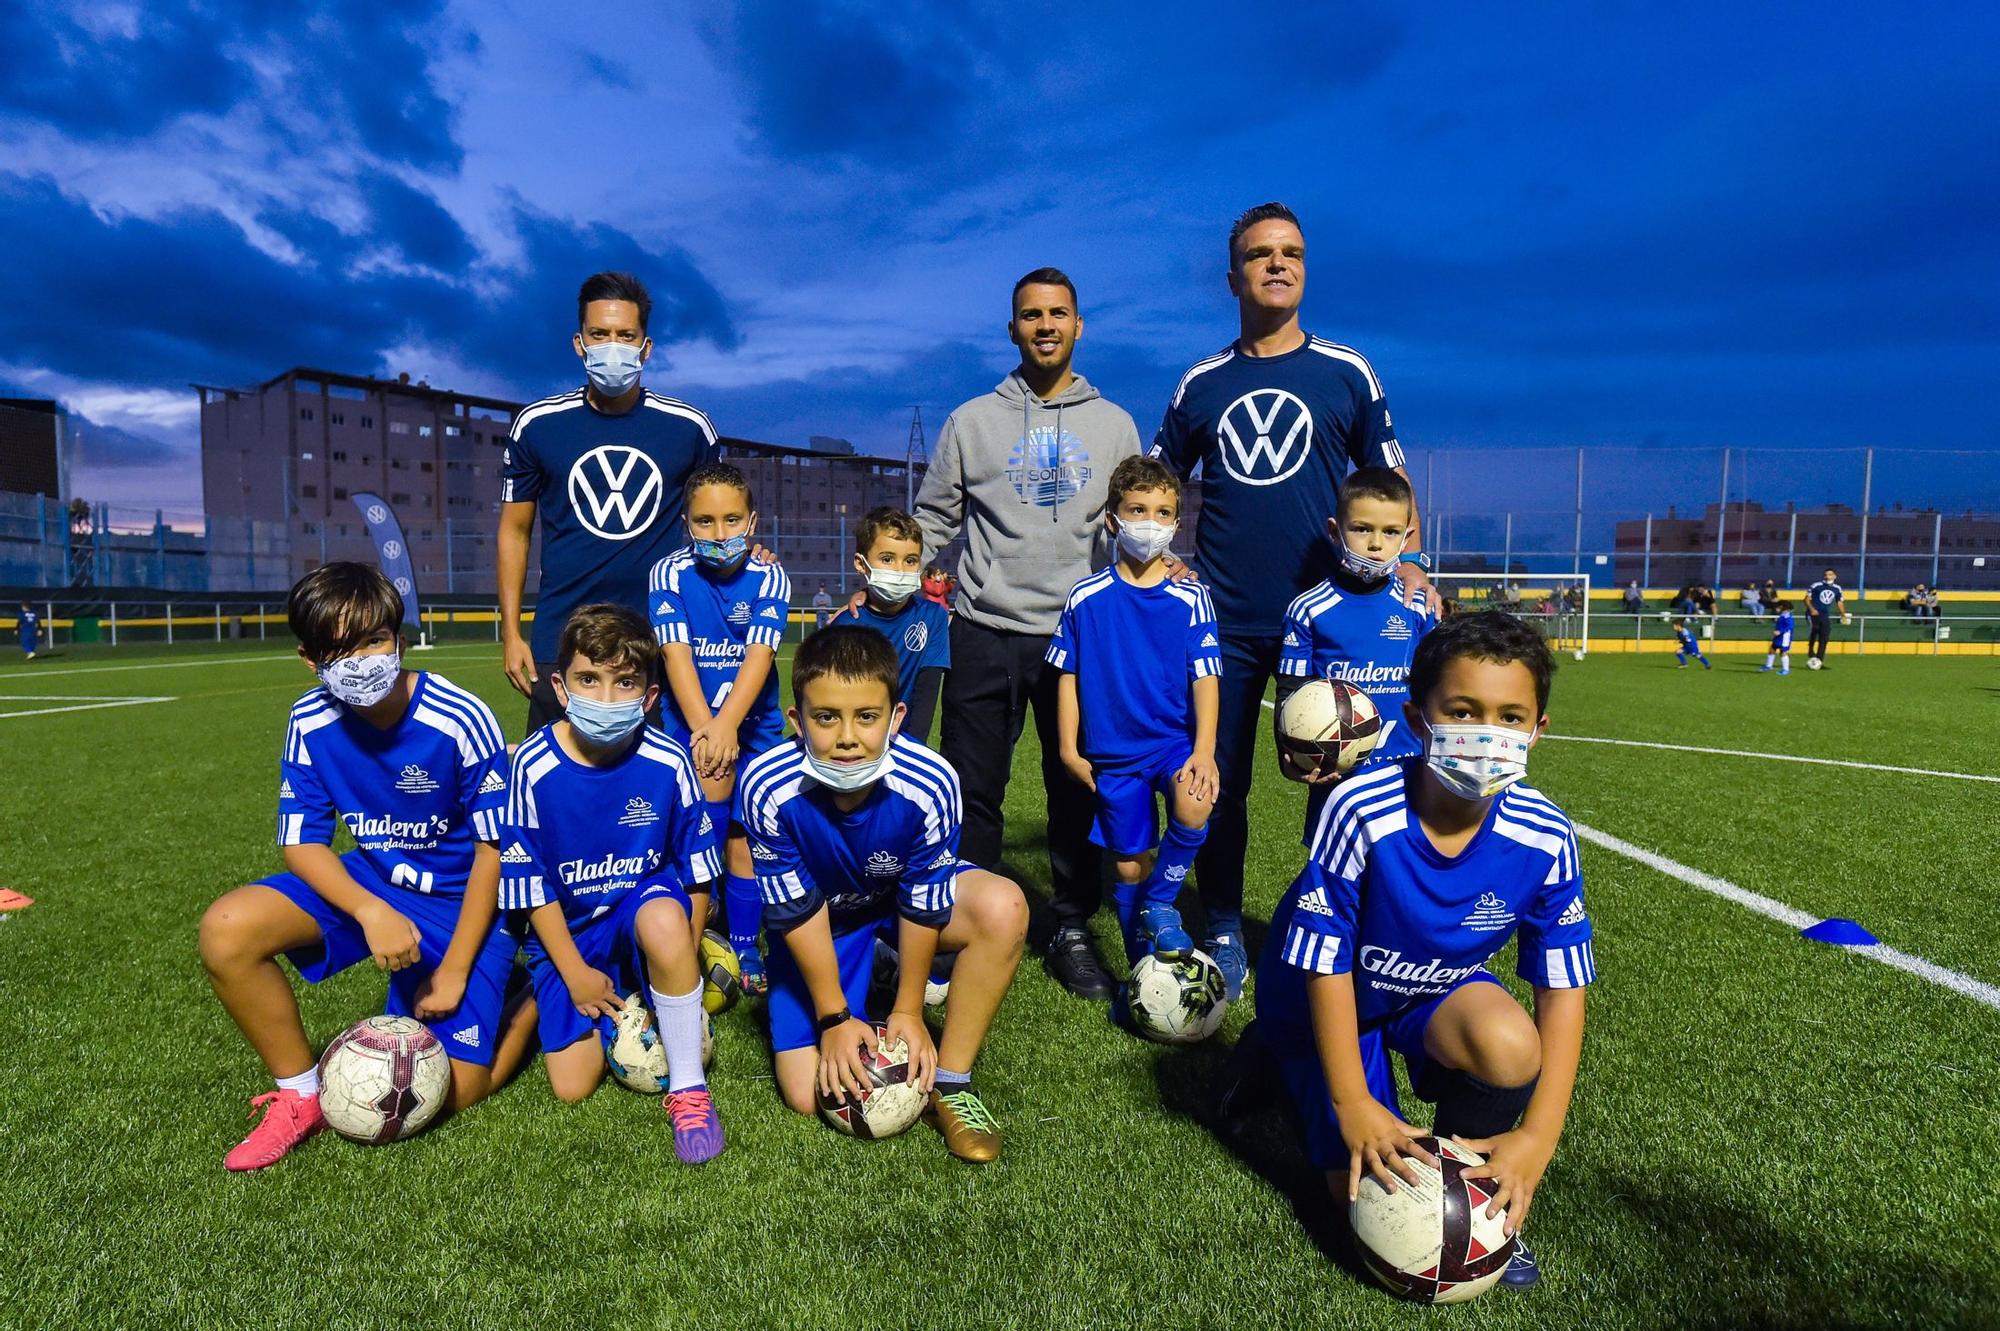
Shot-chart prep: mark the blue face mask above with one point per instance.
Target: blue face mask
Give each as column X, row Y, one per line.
column 722, row 556
column 613, row 367
column 605, row 723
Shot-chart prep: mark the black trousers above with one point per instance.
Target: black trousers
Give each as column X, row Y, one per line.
column 1822, row 629
column 1248, row 663
column 995, row 677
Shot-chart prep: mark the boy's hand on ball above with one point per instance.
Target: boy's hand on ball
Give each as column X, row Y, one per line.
column 392, row 938
column 841, row 1070
column 1515, row 1162
column 440, row 994
column 1377, row 1141
column 910, row 1029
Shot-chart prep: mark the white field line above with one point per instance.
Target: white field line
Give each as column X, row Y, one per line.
column 1774, row 757
column 74, row 706
column 1976, row 990
column 62, row 673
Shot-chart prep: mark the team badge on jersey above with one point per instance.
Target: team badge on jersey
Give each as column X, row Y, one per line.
column 882, row 864
column 415, row 781
column 1265, row 436
column 1488, row 914
column 739, row 613
column 916, row 636
column 639, row 813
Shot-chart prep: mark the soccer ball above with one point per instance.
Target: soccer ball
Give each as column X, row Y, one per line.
column 635, row 1055
column 1326, row 723
column 1812, row 663
column 1431, row 1241
column 721, row 974
column 888, row 1107
column 383, row 1079
column 1177, row 1002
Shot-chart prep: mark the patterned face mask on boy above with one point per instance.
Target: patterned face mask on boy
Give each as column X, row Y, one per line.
column 362, row 681
column 1477, row 762
column 1371, row 570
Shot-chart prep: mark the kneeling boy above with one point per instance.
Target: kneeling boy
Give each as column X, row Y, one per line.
column 413, row 766
column 854, row 833
column 1420, row 871
column 607, row 835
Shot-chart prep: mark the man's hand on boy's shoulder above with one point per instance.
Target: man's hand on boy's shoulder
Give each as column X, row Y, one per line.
column 1179, row 570
column 1416, row 584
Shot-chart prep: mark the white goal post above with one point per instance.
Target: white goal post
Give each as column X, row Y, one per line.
column 1557, row 603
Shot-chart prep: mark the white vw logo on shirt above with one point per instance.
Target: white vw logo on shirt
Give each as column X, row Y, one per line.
column 616, row 491
column 1264, row 436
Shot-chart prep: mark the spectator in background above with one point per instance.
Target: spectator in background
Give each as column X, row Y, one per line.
column 1753, row 602
column 1635, row 600
column 1704, row 600
column 822, row 607
column 937, row 586
column 1770, row 597
column 1931, row 601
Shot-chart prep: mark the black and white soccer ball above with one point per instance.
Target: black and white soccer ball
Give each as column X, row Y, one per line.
column 1812, row 663
column 1326, row 725
column 1432, row 1241
column 1177, row 1002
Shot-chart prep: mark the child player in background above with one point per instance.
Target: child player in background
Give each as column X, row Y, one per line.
column 1136, row 706
column 414, row 767
column 854, row 831
column 30, row 625
column 1781, row 641
column 608, row 840
column 1690, row 646
column 1354, row 626
column 720, row 618
column 1420, row 872
column 888, row 553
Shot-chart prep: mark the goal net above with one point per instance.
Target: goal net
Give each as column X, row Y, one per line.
column 1557, row 603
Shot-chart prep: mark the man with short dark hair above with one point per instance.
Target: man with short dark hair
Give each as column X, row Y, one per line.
column 1273, row 420
column 604, row 465
column 1022, row 471
column 1824, row 600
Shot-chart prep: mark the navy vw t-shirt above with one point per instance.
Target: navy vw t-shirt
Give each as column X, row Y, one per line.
column 1273, row 436
column 608, row 489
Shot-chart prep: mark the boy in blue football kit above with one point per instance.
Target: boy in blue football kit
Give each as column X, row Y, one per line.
column 1137, row 705
column 1360, row 625
column 1420, row 871
column 413, row 766
column 30, row 625
column 720, row 618
column 889, row 556
column 854, row 832
column 1690, row 646
column 607, row 840
column 1781, row 641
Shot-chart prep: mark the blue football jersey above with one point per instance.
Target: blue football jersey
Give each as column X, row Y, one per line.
column 897, row 851
column 586, row 836
column 415, row 797
column 1686, row 636
column 720, row 618
column 920, row 632
column 608, row 490
column 1823, row 598
column 1134, row 651
column 1781, row 627
column 1273, row 435
column 1367, row 639
column 1377, row 899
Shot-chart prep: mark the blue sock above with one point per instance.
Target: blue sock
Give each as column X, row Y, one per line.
column 1176, row 857
column 744, row 906
column 1125, row 900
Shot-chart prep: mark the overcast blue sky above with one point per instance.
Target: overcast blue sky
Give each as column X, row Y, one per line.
column 1642, row 224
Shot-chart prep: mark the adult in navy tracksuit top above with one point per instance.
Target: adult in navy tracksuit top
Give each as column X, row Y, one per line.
column 604, row 466
column 1274, row 421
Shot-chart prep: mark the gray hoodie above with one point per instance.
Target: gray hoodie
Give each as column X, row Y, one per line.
column 1025, row 480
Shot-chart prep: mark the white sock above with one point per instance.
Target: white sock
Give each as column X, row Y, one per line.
column 679, row 1016
column 1788, row 660
column 1770, row 659
column 306, row 1083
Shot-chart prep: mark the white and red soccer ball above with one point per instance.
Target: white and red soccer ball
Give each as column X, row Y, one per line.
column 1432, row 1241
column 383, row 1079
column 889, row 1105
column 1327, row 725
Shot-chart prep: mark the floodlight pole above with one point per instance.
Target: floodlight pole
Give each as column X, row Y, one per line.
column 1576, row 556
column 1867, row 494
column 1721, row 519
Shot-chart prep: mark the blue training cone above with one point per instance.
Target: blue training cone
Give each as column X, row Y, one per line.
column 1840, row 933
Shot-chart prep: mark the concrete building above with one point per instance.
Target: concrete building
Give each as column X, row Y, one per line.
column 292, row 450
column 1792, row 545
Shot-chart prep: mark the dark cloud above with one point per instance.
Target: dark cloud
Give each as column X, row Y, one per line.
column 354, row 70
column 186, row 297
column 418, row 224
column 611, row 73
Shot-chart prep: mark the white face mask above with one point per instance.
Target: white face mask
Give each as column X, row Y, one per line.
column 851, row 776
column 1142, row 541
column 1369, row 569
column 362, row 681
column 612, row 366
column 894, row 586
column 1477, row 762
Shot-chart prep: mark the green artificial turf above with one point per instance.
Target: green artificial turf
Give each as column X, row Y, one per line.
column 1767, row 1132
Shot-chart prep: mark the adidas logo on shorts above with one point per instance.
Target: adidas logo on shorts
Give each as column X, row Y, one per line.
column 468, row 1037
column 493, row 783
column 1572, row 913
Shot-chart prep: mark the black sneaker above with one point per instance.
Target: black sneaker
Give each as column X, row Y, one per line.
column 1074, row 964
column 1521, row 1270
